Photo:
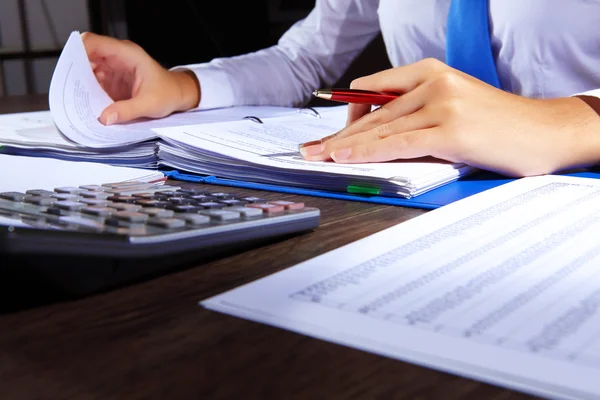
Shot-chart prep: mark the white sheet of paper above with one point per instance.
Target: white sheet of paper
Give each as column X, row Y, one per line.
column 23, row 173
column 503, row 286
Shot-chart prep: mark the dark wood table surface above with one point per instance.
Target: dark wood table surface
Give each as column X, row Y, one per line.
column 152, row 340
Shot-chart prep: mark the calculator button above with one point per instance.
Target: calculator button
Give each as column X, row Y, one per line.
column 69, row 205
column 180, row 200
column 58, row 211
column 12, row 196
column 202, row 197
column 68, row 190
column 161, row 204
column 167, row 193
column 95, row 202
column 247, row 212
column 233, row 202
column 221, row 215
column 39, row 192
column 194, row 219
column 288, row 205
column 210, row 205
column 39, row 200
column 267, row 208
column 157, row 212
column 122, row 199
column 23, row 208
column 254, row 200
column 183, row 208
column 147, row 203
column 131, row 216
column 90, row 194
column 144, row 196
column 98, row 211
column 65, row 196
column 169, row 223
column 125, row 207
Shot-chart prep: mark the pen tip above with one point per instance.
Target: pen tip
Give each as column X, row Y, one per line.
column 315, row 93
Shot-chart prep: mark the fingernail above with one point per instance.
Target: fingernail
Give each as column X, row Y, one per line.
column 312, row 143
column 341, row 154
column 312, row 150
column 112, row 118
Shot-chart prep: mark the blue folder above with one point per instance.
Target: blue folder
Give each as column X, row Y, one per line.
column 446, row 194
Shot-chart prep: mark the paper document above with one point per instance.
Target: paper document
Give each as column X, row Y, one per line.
column 268, row 152
column 503, row 286
column 23, row 173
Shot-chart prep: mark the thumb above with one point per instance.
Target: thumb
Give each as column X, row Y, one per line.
column 124, row 111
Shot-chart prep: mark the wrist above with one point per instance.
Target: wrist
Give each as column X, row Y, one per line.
column 189, row 89
column 580, row 119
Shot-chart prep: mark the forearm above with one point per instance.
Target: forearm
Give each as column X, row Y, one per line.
column 315, row 51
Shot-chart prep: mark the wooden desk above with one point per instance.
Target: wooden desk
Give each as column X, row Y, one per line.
column 152, row 340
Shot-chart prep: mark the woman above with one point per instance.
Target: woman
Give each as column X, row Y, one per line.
column 545, row 52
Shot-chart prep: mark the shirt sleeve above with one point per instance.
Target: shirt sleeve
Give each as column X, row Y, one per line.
column 315, row 51
column 593, row 93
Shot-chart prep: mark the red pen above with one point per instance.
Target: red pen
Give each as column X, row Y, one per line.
column 355, row 96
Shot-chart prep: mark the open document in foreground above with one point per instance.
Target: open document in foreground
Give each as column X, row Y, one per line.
column 267, row 152
column 503, row 286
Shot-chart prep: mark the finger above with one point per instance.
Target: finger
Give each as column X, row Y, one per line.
column 356, row 111
column 100, row 76
column 128, row 110
column 99, row 46
column 401, row 79
column 404, row 105
column 422, row 119
column 409, row 145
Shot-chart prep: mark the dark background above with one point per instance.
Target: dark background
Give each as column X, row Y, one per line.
column 177, row 32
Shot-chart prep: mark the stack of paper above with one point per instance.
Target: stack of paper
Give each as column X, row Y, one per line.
column 267, row 152
column 35, row 134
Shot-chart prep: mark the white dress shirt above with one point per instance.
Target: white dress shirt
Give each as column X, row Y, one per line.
column 543, row 49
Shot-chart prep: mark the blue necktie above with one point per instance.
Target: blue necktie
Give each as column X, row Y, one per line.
column 468, row 46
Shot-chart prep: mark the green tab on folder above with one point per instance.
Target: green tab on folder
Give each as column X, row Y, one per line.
column 362, row 190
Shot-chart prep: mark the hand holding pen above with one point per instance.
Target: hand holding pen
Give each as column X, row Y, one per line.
column 449, row 115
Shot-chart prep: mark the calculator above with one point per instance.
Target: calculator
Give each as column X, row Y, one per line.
column 92, row 237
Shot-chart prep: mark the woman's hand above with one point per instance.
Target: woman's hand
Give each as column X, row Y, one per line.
column 139, row 85
column 450, row 115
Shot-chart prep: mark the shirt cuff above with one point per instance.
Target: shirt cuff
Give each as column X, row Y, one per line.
column 215, row 87
column 593, row 93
